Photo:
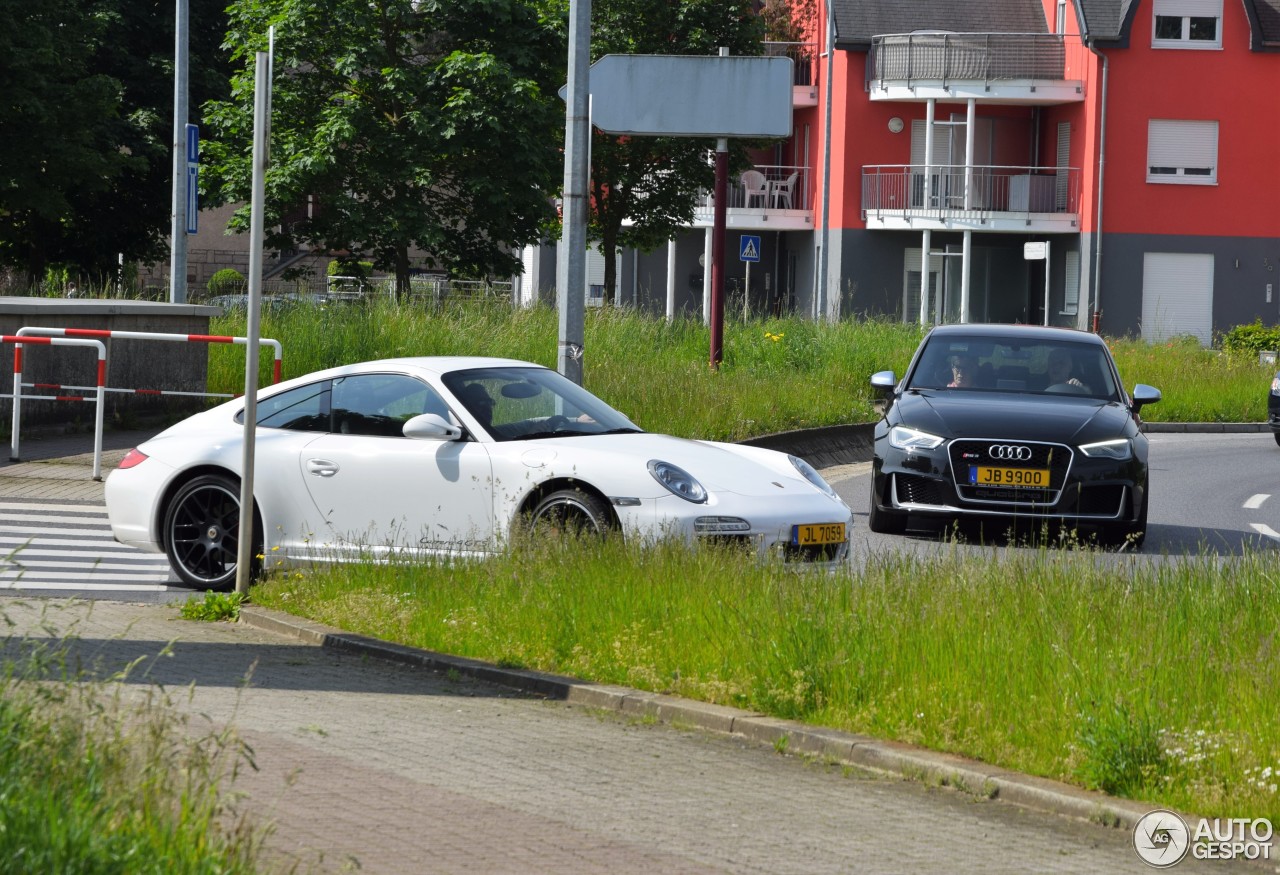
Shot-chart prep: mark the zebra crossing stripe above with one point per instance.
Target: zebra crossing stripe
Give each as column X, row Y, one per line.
column 61, row 545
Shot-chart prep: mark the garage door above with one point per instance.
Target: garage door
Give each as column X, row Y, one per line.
column 1177, row 296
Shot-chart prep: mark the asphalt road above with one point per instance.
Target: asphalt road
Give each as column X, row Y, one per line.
column 1210, row 494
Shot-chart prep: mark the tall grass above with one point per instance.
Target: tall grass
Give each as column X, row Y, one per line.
column 1148, row 679
column 94, row 781
column 776, row 374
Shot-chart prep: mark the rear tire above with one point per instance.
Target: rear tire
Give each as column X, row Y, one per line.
column 884, row 522
column 202, row 533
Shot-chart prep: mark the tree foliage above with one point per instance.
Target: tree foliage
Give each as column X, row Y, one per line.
column 86, row 144
column 655, row 181
column 428, row 124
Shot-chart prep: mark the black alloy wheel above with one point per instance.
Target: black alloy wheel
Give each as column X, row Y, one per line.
column 572, row 512
column 202, row 532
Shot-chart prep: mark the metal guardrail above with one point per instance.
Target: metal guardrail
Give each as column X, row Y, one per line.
column 987, row 57
column 938, row 190
column 95, row 337
column 777, row 178
column 17, row 396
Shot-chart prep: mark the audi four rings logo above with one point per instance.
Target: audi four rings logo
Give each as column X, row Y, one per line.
column 1009, row 452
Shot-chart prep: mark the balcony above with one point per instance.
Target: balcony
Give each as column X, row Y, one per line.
column 1017, row 68
column 978, row 198
column 804, row 57
column 770, row 197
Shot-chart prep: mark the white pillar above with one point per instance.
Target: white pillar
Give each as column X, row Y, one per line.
column 706, row 278
column 671, row 279
column 966, row 252
column 925, row 286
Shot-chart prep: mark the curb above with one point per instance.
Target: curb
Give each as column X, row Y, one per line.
column 823, row 447
column 969, row 776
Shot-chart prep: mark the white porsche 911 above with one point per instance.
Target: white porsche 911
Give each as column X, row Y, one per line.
column 447, row 456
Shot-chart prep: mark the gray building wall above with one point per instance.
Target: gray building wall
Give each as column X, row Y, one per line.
column 1243, row 267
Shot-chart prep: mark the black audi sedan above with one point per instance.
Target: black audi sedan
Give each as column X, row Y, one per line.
column 1012, row 423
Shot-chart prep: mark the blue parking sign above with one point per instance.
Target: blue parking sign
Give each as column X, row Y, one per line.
column 749, row 247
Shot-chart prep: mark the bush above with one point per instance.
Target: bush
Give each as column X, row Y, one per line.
column 1252, row 338
column 350, row 267
column 227, row 281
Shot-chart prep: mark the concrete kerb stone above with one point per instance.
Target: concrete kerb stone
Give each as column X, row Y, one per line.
column 832, row 745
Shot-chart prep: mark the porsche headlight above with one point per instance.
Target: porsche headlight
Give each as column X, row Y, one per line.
column 1118, row 449
column 807, row 472
column 909, row 439
column 678, row 481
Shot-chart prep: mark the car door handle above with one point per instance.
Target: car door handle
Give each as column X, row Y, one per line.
column 321, row 467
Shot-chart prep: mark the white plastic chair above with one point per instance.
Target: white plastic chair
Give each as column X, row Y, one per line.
column 782, row 191
column 754, row 186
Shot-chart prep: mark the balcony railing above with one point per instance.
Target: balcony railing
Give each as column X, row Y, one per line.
column 779, row 187
column 805, row 57
column 985, row 57
column 938, row 190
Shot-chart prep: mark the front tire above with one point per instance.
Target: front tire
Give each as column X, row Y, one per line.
column 572, row 511
column 202, row 533
column 884, row 522
column 1135, row 533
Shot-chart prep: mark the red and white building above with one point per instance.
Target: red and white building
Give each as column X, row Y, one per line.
column 1094, row 163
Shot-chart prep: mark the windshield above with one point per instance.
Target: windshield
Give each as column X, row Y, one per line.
column 522, row 403
column 1041, row 367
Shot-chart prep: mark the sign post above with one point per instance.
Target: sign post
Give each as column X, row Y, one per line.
column 748, row 252
column 1039, row 251
column 630, row 96
column 193, row 177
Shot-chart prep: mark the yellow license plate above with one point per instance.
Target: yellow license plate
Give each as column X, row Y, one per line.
column 811, row 534
column 1033, row 478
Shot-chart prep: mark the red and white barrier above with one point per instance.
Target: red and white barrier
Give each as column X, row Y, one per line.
column 105, row 334
column 96, row 336
column 18, row 341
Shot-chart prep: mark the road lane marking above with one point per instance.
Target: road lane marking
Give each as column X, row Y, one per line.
column 1265, row 530
column 1256, row 501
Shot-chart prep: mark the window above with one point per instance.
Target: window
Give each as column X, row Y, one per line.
column 1187, row 24
column 305, row 408
column 1182, row 152
column 380, row 404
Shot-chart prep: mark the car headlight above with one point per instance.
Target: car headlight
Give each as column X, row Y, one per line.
column 909, row 439
column 1275, row 385
column 678, row 481
column 808, row 472
column 1118, row 449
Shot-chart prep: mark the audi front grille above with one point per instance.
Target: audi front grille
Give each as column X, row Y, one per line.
column 999, row 453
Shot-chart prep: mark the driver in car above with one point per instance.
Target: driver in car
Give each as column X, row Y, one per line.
column 1061, row 369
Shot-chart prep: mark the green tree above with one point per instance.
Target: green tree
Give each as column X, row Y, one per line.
column 85, row 148
column 408, row 123
column 655, row 181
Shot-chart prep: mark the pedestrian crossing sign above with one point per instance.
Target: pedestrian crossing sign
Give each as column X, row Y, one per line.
column 749, row 247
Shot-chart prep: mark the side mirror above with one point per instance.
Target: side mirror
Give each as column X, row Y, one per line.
column 883, row 382
column 431, row 427
column 1143, row 395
